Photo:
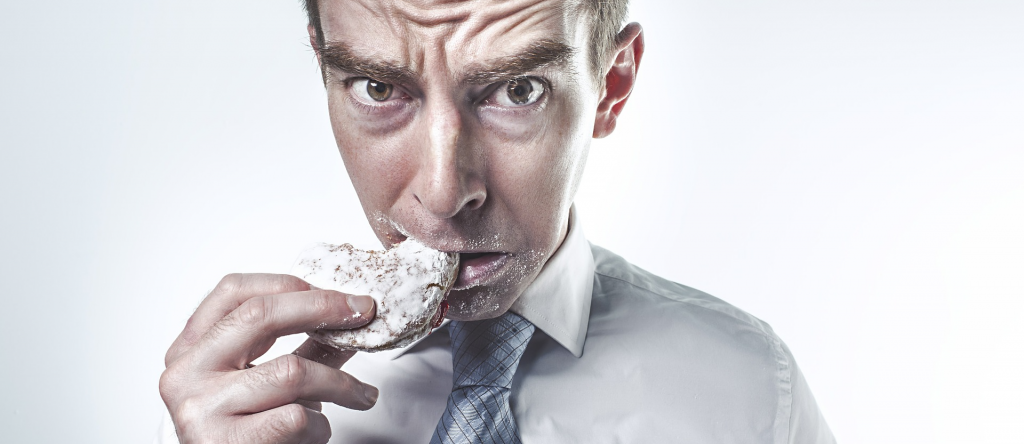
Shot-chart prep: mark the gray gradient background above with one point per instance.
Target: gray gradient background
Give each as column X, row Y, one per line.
column 850, row 172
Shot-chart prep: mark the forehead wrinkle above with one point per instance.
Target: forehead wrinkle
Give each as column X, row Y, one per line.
column 383, row 11
column 431, row 13
column 486, row 17
column 421, row 25
column 532, row 28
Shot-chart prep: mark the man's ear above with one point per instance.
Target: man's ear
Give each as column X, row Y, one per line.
column 312, row 42
column 620, row 76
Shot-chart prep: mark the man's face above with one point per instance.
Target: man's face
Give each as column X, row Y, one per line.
column 465, row 125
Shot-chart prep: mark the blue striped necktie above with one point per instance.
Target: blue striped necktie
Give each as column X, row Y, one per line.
column 485, row 355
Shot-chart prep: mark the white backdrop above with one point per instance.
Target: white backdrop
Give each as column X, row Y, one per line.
column 850, row 173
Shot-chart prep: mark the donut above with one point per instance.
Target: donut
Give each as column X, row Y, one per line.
column 408, row 282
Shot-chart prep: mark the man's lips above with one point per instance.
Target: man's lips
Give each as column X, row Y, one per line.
column 479, row 268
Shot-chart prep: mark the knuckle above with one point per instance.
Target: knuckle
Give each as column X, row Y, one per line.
column 187, row 414
column 287, row 282
column 255, row 311
column 322, row 302
column 229, row 284
column 290, row 419
column 289, row 371
column 297, row 417
column 286, row 372
column 168, row 385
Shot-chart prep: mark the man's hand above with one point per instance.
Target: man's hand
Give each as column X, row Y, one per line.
column 215, row 395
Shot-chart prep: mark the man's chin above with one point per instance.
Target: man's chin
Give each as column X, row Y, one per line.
column 492, row 285
column 477, row 303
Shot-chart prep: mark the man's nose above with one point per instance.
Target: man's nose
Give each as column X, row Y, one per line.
column 449, row 179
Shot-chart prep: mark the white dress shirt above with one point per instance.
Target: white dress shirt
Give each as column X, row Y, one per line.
column 619, row 356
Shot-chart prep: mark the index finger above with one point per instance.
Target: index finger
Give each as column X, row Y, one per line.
column 249, row 330
column 231, row 292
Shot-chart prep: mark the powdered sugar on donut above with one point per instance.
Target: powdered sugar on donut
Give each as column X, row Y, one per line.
column 408, row 282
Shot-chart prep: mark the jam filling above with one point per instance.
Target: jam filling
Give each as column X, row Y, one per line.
column 439, row 317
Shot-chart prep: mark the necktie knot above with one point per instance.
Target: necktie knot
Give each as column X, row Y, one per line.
column 487, row 352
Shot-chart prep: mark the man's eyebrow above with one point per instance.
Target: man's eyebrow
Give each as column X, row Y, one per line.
column 539, row 54
column 339, row 56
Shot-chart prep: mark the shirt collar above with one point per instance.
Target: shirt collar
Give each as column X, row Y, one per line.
column 558, row 301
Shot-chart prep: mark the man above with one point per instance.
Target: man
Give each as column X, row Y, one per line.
column 465, row 124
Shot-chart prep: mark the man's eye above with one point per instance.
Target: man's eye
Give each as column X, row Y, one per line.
column 372, row 91
column 520, row 92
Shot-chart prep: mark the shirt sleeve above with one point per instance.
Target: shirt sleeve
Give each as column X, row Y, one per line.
column 806, row 423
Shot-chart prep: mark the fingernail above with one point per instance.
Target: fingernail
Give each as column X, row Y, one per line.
column 360, row 304
column 370, row 393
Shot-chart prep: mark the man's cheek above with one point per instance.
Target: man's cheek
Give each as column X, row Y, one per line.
column 384, row 167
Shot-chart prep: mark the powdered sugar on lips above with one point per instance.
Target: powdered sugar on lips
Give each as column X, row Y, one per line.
column 479, row 269
column 408, row 282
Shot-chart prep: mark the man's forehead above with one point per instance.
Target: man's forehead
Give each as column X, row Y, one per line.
column 463, row 32
column 435, row 11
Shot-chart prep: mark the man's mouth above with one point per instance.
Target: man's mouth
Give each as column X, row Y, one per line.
column 479, row 268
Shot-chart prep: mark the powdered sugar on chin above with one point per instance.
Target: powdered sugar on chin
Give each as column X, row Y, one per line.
column 487, row 301
column 408, row 282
